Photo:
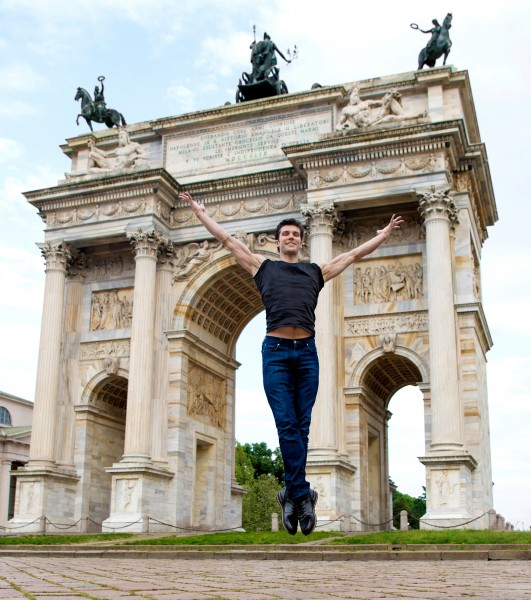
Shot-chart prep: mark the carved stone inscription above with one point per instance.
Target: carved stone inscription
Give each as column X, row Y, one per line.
column 206, row 395
column 255, row 142
column 384, row 282
column 112, row 309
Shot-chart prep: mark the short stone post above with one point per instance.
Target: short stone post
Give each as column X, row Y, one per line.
column 404, row 523
column 145, row 523
column 274, row 522
column 346, row 523
column 42, row 524
column 492, row 520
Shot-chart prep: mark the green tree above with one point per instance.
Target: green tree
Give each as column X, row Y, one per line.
column 259, row 504
column 243, row 467
column 416, row 508
column 265, row 461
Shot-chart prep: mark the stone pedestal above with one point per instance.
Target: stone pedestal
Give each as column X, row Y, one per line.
column 449, row 492
column 139, row 500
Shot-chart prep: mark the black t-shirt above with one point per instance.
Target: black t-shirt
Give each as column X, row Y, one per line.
column 289, row 292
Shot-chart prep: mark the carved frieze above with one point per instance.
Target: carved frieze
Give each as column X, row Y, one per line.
column 100, row 269
column 382, row 324
column 206, row 395
column 401, row 167
column 241, row 208
column 102, row 350
column 111, row 309
column 357, row 232
column 384, row 282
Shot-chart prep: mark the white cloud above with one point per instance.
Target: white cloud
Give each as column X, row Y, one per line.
column 14, row 108
column 10, row 150
column 20, row 77
column 181, row 98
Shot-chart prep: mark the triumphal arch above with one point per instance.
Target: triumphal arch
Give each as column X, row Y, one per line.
column 135, row 396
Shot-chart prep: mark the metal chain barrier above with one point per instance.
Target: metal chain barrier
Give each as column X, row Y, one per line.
column 20, row 526
column 450, row 526
column 192, row 530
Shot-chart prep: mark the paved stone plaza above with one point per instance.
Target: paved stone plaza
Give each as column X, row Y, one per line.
column 37, row 578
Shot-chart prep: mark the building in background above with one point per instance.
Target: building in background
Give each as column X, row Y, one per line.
column 15, row 435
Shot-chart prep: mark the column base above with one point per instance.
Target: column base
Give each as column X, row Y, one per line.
column 449, row 497
column 139, row 499
column 44, row 500
column 332, row 479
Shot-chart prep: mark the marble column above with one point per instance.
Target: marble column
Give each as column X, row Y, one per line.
column 138, row 426
column 42, row 450
column 440, row 213
column 69, row 385
column 322, row 221
column 163, row 317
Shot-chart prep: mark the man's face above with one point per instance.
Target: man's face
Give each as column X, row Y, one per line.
column 289, row 240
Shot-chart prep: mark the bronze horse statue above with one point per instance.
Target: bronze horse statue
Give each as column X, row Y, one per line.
column 111, row 117
column 441, row 45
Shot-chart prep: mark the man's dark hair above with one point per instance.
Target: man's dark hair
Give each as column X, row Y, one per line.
column 288, row 222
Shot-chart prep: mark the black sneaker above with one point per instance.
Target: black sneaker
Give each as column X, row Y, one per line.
column 305, row 508
column 289, row 515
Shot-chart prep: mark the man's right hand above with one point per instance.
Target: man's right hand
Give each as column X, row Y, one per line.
column 196, row 207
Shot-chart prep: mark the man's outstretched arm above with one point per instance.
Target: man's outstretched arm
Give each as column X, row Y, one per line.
column 245, row 258
column 336, row 266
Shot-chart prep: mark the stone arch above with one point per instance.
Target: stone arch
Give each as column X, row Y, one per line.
column 219, row 302
column 375, row 379
column 100, row 422
column 408, row 367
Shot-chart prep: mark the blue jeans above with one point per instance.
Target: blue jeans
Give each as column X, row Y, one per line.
column 290, row 371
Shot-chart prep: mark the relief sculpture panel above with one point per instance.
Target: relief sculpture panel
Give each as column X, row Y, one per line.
column 383, row 282
column 111, row 309
column 206, row 395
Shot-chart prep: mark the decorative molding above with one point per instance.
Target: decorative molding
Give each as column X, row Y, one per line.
column 377, row 169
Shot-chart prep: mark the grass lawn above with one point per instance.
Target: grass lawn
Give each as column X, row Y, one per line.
column 468, row 536
column 237, row 538
column 449, row 536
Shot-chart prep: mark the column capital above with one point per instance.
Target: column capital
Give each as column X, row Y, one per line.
column 437, row 204
column 321, row 218
column 56, row 254
column 147, row 243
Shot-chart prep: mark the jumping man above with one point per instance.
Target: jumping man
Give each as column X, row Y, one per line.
column 290, row 366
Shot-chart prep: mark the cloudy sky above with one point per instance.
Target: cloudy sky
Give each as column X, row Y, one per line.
column 163, row 58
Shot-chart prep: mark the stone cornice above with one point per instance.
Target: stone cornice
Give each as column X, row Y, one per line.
column 476, row 310
column 254, row 185
column 112, row 188
column 445, row 460
column 373, row 143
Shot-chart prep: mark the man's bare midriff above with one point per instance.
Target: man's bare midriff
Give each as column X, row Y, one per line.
column 290, row 333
